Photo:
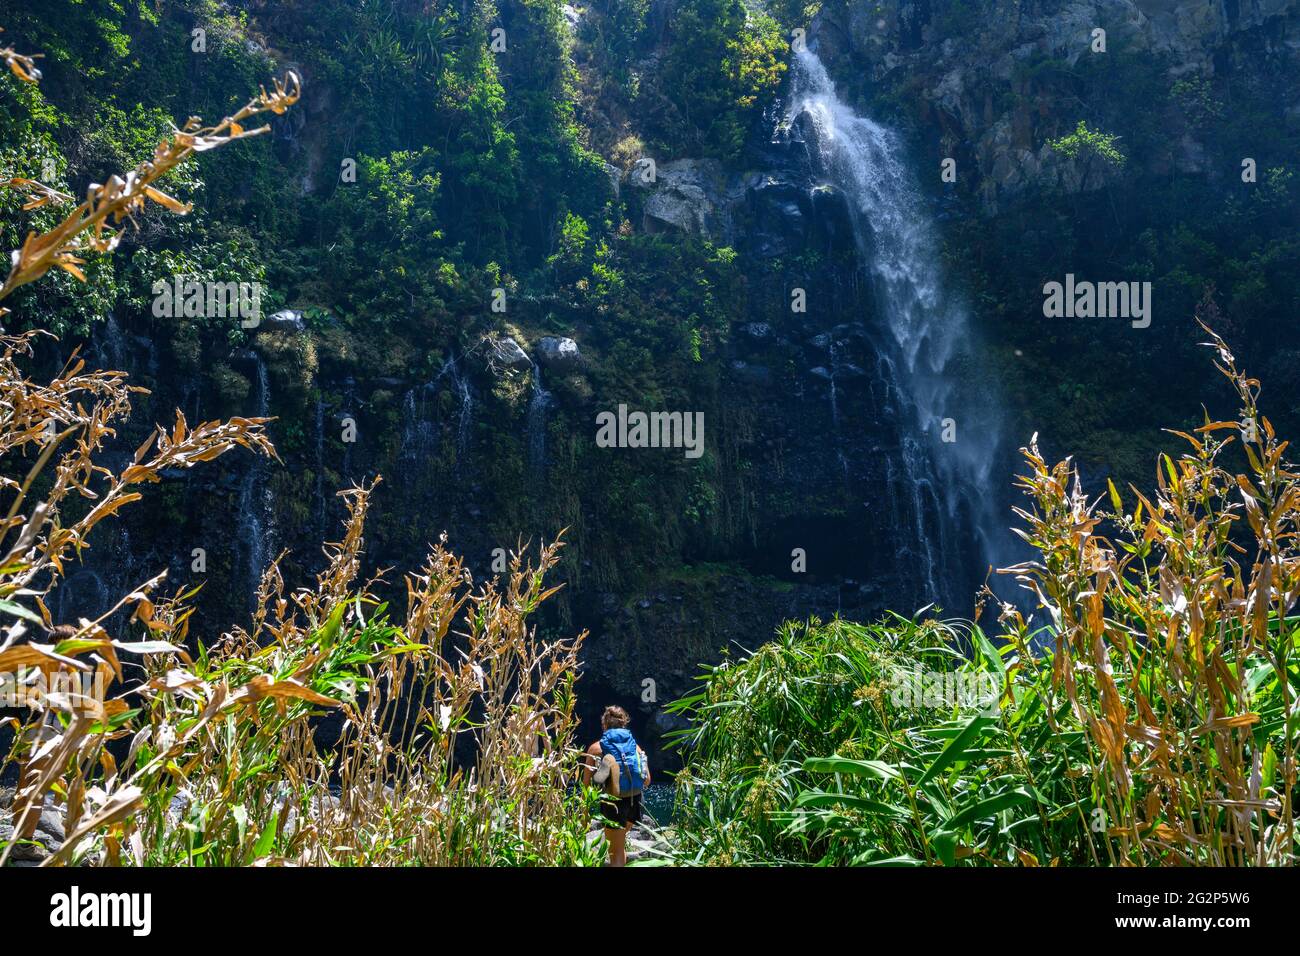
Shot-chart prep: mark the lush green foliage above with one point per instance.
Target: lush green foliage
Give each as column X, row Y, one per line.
column 1087, row 143
column 723, row 67
column 1151, row 720
column 455, row 746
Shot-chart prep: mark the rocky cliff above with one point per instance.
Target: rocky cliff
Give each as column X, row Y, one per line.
column 989, row 83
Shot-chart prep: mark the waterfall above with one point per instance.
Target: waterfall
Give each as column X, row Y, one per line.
column 451, row 369
column 108, row 342
column 537, row 408
column 88, row 602
column 320, row 468
column 105, row 571
column 466, row 419
column 947, row 485
column 256, row 502
column 420, row 425
column 418, row 436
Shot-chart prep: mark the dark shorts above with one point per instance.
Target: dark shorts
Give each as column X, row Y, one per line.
column 621, row 813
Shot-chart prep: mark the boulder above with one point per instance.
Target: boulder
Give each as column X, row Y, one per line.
column 615, row 175
column 779, row 211
column 507, row 353
column 286, row 320
column 44, row 841
column 832, row 218
column 691, row 196
column 558, row 352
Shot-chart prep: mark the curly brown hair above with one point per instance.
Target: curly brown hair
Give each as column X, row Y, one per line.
column 614, row 716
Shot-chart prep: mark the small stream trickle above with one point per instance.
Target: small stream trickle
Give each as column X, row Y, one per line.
column 538, row 407
column 256, row 501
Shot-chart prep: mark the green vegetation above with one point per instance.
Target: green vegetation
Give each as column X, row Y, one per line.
column 1150, row 719
column 472, row 172
column 1179, row 213
column 725, row 63
column 223, row 766
column 1085, row 143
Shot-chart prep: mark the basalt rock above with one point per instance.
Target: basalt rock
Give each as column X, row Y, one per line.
column 44, row 841
column 694, row 196
column 967, row 75
column 286, row 320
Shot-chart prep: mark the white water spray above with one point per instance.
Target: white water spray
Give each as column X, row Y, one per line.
column 948, row 483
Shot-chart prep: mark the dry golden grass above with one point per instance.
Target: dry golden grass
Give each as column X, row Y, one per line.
column 1175, row 642
column 455, row 748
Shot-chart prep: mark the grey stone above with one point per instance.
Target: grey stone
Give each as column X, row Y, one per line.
column 693, row 196
column 36, row 848
column 507, row 353
column 615, row 176
column 558, row 352
column 779, row 209
column 286, row 320
column 51, row 823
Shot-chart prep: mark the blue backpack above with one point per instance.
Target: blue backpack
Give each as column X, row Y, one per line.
column 621, row 745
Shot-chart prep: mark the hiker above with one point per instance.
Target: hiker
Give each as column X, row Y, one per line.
column 617, row 763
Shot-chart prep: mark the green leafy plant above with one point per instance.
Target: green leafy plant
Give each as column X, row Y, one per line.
column 1152, row 719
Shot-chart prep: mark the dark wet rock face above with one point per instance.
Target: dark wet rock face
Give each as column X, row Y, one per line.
column 969, row 78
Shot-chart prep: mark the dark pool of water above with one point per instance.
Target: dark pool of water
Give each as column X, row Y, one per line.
column 658, row 802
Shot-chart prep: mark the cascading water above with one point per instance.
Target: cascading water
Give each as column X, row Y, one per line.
column 420, row 426
column 320, row 467
column 85, row 591
column 256, row 504
column 947, row 483
column 108, row 342
column 466, row 420
column 537, row 408
column 418, row 434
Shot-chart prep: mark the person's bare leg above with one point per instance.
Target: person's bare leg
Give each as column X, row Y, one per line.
column 617, row 840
